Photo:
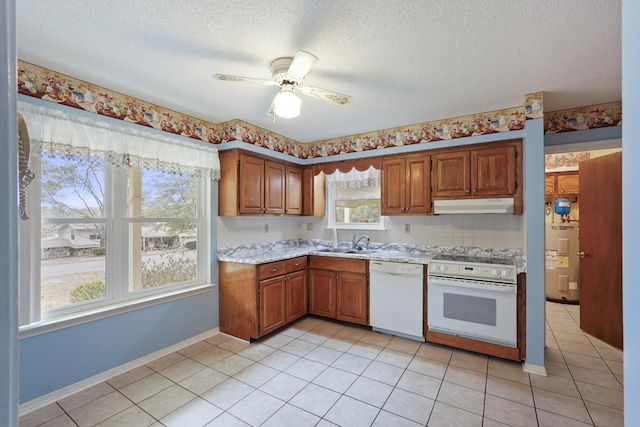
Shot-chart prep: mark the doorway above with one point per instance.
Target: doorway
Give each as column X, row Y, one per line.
column 593, row 366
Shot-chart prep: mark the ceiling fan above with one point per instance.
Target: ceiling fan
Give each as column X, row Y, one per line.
column 289, row 74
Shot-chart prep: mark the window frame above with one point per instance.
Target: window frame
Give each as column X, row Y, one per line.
column 332, row 193
column 119, row 298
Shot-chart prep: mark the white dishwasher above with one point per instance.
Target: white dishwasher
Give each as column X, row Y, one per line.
column 396, row 303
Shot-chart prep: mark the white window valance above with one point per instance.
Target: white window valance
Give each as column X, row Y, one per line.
column 55, row 132
column 354, row 178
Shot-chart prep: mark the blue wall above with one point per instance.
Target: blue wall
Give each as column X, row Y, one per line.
column 630, row 208
column 60, row 358
column 8, row 219
column 57, row 359
column 533, row 148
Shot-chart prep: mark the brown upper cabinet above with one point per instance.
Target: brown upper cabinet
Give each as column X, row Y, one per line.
column 251, row 184
column 313, row 192
column 406, row 187
column 293, row 196
column 482, row 171
column 562, row 183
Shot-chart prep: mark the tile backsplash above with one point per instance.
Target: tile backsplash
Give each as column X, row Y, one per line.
column 498, row 231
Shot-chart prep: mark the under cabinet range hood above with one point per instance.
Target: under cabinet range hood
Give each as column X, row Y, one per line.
column 473, row 206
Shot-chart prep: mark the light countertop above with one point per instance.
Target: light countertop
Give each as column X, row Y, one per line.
column 261, row 253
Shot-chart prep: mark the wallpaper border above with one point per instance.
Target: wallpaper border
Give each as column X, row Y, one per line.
column 48, row 85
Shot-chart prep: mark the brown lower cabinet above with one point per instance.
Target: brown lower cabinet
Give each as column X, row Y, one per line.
column 339, row 289
column 258, row 299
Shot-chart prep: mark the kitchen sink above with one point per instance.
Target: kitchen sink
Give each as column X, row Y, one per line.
column 347, row 251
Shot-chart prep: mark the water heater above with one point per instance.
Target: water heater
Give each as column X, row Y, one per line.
column 562, row 263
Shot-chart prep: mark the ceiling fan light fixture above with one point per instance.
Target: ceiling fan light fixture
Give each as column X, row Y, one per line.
column 286, row 103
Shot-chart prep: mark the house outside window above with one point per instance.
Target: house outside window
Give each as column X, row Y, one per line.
column 113, row 227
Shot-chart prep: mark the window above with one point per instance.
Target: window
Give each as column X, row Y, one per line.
column 108, row 229
column 354, row 200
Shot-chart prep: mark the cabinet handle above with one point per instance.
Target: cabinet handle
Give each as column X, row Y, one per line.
column 475, row 190
column 273, row 270
column 296, row 264
column 337, row 277
column 562, row 191
column 466, row 191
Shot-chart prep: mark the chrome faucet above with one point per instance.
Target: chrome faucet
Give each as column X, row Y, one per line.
column 356, row 243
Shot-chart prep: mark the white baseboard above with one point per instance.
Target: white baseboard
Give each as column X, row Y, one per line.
column 59, row 394
column 534, row 369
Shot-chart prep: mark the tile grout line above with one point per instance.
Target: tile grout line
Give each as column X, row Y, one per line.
column 332, row 333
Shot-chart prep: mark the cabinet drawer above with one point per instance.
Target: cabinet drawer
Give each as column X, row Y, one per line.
column 295, row 264
column 338, row 264
column 272, row 269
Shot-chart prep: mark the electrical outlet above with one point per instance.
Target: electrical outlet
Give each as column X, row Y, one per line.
column 266, row 228
column 309, row 226
column 407, row 228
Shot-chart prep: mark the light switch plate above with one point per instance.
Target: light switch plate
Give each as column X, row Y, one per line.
column 266, row 228
column 309, row 226
column 407, row 228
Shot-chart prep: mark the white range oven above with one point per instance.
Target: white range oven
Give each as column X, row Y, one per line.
column 473, row 297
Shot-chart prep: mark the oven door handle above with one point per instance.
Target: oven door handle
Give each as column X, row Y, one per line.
column 473, row 284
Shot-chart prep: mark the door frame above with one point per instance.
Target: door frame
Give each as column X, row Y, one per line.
column 553, row 145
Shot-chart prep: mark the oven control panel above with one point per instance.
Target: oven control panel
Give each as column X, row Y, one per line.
column 473, row 271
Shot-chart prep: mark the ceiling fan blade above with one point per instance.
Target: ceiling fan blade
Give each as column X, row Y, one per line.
column 301, row 64
column 326, row 95
column 230, row 78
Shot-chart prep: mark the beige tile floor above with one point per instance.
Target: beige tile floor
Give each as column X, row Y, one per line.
column 320, row 373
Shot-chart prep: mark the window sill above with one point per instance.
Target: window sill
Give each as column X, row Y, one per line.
column 357, row 227
column 58, row 323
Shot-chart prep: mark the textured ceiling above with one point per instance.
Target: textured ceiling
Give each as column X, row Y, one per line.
column 403, row 62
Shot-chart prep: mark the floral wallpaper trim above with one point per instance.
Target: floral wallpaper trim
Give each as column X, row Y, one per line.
column 458, row 127
column 54, row 87
column 58, row 88
column 564, row 161
column 582, row 118
column 533, row 105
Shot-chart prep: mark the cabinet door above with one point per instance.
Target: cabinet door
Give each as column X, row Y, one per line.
column 322, row 293
column 493, row 171
column 393, row 186
column 568, row 185
column 251, row 185
column 296, row 295
column 418, row 185
column 451, row 174
column 313, row 193
column 272, row 304
column 274, row 185
column 351, row 304
column 549, row 185
column 293, row 198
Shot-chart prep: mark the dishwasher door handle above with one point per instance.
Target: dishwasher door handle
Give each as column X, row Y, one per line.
column 391, row 274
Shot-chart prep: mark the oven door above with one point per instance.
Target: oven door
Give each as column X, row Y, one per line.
column 473, row 309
